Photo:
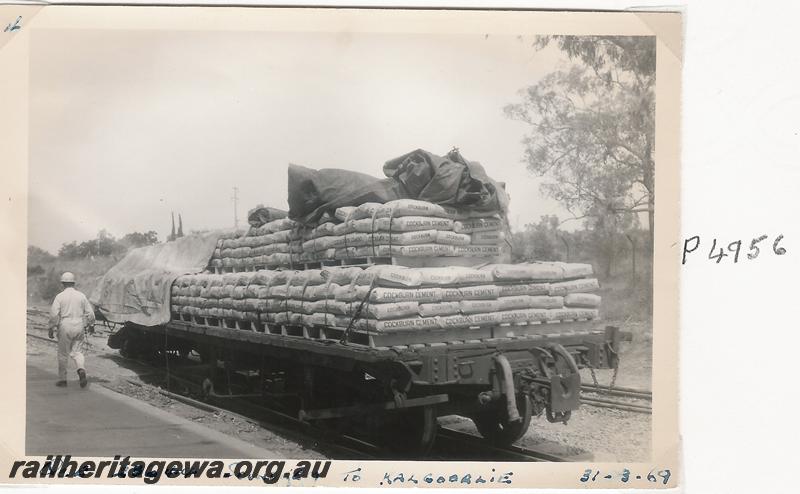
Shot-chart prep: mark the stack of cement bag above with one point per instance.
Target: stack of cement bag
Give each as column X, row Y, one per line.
column 269, row 245
column 404, row 228
column 392, row 298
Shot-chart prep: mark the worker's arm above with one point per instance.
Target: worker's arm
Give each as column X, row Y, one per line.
column 88, row 313
column 55, row 316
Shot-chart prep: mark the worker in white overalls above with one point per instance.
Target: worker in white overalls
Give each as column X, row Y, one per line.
column 71, row 314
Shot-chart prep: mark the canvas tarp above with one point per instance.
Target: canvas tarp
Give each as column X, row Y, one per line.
column 137, row 289
column 450, row 180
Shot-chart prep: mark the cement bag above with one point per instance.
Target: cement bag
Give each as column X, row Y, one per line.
column 244, row 279
column 523, row 272
column 479, row 292
column 238, row 292
column 317, row 292
column 340, row 275
column 279, row 291
column 317, row 319
column 280, row 225
column 565, row 314
column 574, row 286
column 412, row 207
column 465, row 321
column 330, row 306
column 351, row 293
column 296, row 292
column 412, row 224
column 513, row 289
column 282, row 237
column 477, row 250
column 424, row 250
column 308, row 277
column 324, row 243
column 587, row 300
column 275, row 305
column 343, row 229
column 451, row 275
column 281, row 317
column 365, row 251
column 366, row 225
column 422, row 295
column 409, row 238
column 451, row 294
column 514, row 302
column 478, row 225
column 358, row 239
column 456, row 321
column 323, row 230
column 575, row 270
column 391, row 311
column 478, row 306
column 406, row 324
column 343, row 213
column 539, row 289
column 365, row 210
column 452, row 238
column 278, row 259
column 513, row 316
column 389, row 276
column 493, row 237
column 439, row 309
column 546, row 302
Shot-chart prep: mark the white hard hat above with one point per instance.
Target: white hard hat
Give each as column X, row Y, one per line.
column 67, row 277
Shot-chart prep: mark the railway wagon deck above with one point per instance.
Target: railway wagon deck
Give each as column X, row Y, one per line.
column 392, row 384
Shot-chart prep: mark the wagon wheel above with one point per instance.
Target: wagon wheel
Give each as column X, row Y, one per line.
column 412, row 431
column 494, row 426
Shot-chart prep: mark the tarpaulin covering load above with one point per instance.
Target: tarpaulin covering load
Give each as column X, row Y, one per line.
column 449, row 180
column 312, row 193
column 261, row 215
column 137, row 289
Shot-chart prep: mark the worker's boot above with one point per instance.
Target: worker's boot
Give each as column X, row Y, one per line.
column 61, row 384
column 82, row 376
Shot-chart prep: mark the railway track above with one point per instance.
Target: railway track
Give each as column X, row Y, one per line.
column 619, row 398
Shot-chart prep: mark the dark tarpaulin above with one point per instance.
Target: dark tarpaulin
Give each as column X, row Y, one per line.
column 312, row 193
column 138, row 288
column 449, row 180
column 261, row 215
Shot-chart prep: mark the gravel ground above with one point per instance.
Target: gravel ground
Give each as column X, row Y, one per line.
column 599, row 433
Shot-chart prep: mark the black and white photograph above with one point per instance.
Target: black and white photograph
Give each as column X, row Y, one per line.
column 347, row 244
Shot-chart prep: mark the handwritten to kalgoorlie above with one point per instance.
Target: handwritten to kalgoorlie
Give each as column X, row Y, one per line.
column 734, row 249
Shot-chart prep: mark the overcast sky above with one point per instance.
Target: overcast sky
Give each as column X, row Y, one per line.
column 126, row 127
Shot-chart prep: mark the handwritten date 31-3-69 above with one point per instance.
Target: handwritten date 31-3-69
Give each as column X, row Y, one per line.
column 733, row 249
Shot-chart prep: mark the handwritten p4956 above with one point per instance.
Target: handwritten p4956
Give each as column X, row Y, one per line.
column 734, row 249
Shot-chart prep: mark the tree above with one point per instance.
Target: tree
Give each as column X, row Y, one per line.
column 37, row 255
column 138, row 239
column 593, row 127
